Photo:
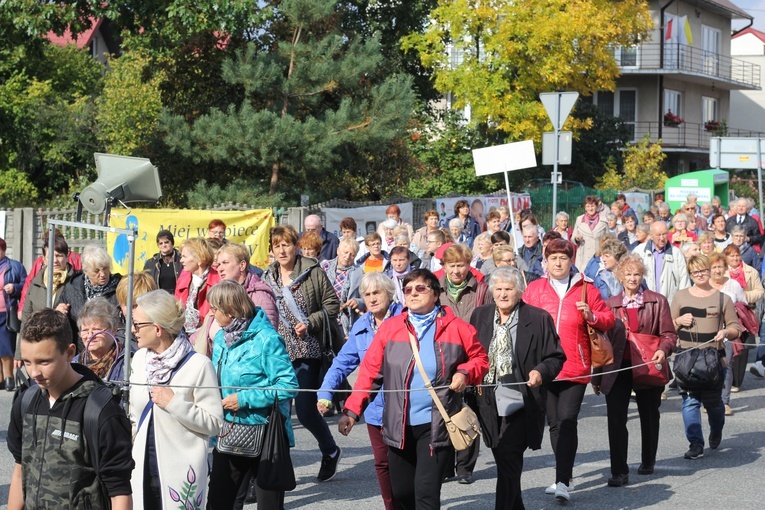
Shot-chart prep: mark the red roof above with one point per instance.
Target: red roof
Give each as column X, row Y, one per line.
column 82, row 40
column 759, row 35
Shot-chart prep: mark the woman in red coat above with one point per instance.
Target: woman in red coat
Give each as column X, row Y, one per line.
column 195, row 280
column 560, row 294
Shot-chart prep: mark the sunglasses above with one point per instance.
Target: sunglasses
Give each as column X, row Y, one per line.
column 421, row 289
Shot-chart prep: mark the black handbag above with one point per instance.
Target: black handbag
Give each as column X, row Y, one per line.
column 275, row 472
column 12, row 321
column 699, row 369
column 328, row 351
column 241, row 439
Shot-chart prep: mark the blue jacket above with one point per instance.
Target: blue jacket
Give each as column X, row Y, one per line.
column 350, row 357
column 17, row 275
column 258, row 359
column 471, row 229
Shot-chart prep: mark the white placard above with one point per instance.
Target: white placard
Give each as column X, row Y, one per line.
column 504, row 158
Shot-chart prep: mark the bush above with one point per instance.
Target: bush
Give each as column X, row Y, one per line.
column 238, row 191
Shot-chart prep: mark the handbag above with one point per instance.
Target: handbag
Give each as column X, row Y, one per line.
column 462, row 427
column 700, row 369
column 275, row 471
column 12, row 321
column 241, row 439
column 642, row 348
column 746, row 318
column 601, row 350
column 328, row 353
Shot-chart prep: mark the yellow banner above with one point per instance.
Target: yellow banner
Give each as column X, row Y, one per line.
column 250, row 228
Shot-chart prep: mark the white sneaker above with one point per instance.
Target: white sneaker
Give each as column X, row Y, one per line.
column 562, row 492
column 757, row 369
column 550, row 491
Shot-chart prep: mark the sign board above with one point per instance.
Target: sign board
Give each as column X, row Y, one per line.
column 681, row 194
column 480, row 205
column 368, row 218
column 735, row 153
column 565, row 145
column 504, row 158
column 558, row 105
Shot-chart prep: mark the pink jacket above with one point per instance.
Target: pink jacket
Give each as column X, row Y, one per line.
column 569, row 322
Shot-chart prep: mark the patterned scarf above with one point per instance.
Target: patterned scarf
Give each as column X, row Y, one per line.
column 102, row 365
column 159, row 367
column 453, row 290
column 501, row 348
column 233, row 332
column 94, row 291
column 421, row 322
column 192, row 313
column 59, row 277
column 738, row 275
column 591, row 220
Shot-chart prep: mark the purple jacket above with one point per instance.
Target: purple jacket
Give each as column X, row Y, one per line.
column 261, row 295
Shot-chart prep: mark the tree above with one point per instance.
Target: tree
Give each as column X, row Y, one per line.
column 508, row 51
column 302, row 103
column 642, row 168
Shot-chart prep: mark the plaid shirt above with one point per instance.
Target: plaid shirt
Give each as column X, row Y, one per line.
column 635, row 301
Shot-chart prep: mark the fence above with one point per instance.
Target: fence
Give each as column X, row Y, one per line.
column 570, row 201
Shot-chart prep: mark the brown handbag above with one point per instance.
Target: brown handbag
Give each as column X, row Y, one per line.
column 601, row 350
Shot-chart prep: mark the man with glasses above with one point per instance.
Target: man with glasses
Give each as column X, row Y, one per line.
column 666, row 270
column 435, row 240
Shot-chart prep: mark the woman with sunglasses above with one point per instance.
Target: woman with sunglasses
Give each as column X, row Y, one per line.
column 699, row 320
column 419, row 449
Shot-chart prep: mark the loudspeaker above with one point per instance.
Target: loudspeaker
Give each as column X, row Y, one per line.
column 122, row 178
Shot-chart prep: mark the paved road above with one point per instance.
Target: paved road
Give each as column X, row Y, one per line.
column 730, row 477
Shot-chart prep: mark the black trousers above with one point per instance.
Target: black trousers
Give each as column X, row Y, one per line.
column 229, row 473
column 617, row 404
column 417, row 471
column 465, row 460
column 508, row 455
column 564, row 399
column 738, row 365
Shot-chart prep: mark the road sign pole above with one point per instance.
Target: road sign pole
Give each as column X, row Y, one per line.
column 556, row 126
column 759, row 172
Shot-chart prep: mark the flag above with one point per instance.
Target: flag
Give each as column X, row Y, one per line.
column 686, row 36
column 668, row 30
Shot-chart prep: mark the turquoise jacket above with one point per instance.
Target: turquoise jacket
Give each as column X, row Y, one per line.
column 258, row 359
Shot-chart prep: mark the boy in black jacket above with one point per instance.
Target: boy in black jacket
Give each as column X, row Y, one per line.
column 53, row 465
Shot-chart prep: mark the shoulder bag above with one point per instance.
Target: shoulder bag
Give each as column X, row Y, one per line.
column 12, row 321
column 700, row 368
column 642, row 348
column 275, row 471
column 601, row 350
column 462, row 427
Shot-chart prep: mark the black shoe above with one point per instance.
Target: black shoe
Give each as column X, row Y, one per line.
column 694, row 452
column 714, row 440
column 10, row 385
column 252, row 496
column 645, row 470
column 618, row 480
column 465, row 479
column 329, row 466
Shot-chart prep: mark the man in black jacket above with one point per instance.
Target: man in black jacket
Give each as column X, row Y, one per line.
column 54, row 467
column 749, row 224
column 165, row 266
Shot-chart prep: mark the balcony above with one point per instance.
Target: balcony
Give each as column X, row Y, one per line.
column 692, row 63
column 687, row 137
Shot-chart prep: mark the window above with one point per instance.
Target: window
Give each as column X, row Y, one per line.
column 710, row 47
column 673, row 102
column 623, row 104
column 708, row 109
column 627, row 56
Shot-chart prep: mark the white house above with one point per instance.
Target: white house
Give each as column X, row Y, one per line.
column 747, row 107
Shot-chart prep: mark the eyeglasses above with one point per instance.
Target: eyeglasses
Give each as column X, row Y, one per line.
column 421, row 289
column 138, row 325
column 697, row 274
column 374, row 244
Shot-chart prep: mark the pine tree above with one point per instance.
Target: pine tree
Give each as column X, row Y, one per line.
column 314, row 93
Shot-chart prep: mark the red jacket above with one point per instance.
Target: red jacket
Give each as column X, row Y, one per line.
column 182, row 290
column 389, row 360
column 569, row 321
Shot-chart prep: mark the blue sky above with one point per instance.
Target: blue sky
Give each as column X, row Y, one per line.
column 754, row 7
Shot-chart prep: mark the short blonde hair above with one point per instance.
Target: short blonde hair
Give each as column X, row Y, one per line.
column 457, row 253
column 163, row 310
column 142, row 283
column 500, row 250
column 698, row 263
column 231, row 299
column 238, row 251
column 200, row 250
column 630, row 262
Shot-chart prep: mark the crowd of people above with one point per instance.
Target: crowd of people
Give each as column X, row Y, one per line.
column 498, row 313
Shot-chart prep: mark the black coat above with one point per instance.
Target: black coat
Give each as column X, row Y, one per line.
column 751, row 228
column 537, row 347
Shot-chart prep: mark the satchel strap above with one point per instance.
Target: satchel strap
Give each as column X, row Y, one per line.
column 426, row 379
column 625, row 319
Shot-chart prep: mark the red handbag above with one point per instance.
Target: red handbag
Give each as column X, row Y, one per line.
column 747, row 319
column 642, row 348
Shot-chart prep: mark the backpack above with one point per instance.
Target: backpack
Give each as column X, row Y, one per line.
column 96, row 401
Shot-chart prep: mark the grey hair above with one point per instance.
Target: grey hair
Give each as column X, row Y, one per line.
column 749, row 203
column 401, row 238
column 530, row 228
column 455, row 223
column 352, row 243
column 680, row 216
column 610, row 216
column 687, row 246
column 664, row 206
column 99, row 310
column 644, row 227
column 164, row 310
column 737, row 229
column 507, row 274
column 95, row 257
column 561, row 214
column 483, row 236
column 375, row 281
column 689, row 196
column 389, row 223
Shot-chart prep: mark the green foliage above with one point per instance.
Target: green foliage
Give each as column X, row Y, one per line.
column 129, row 107
column 304, row 104
column 642, row 168
column 744, row 189
column 16, row 190
column 238, row 191
column 443, row 144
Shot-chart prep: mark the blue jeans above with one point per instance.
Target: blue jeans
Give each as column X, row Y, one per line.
column 692, row 402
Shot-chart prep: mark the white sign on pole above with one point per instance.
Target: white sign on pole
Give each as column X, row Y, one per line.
column 551, row 102
column 565, row 147
column 735, row 153
column 504, row 158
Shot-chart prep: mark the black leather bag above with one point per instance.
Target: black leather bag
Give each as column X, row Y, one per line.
column 699, row 369
column 275, row 472
column 12, row 321
column 241, row 439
